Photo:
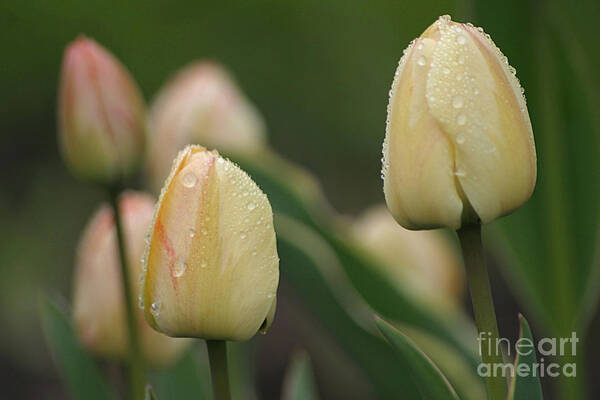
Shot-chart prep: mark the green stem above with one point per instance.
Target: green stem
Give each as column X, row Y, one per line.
column 136, row 366
column 483, row 307
column 217, row 355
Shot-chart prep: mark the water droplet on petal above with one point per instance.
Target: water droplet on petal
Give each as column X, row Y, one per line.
column 458, row 102
column 203, row 264
column 251, row 206
column 189, row 180
column 243, row 235
column 192, row 233
column 422, row 61
column 460, row 39
column 461, row 119
column 460, row 138
column 155, row 309
column 179, row 268
column 460, row 172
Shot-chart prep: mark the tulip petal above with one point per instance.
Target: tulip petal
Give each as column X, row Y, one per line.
column 477, row 102
column 419, row 186
column 212, row 265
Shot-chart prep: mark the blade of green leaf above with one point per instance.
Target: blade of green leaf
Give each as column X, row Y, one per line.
column 82, row 377
column 300, row 267
column 525, row 387
column 299, row 383
column 464, row 379
column 150, row 393
column 429, row 379
column 278, row 179
column 188, row 378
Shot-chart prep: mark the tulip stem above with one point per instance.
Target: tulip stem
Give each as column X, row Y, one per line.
column 217, row 355
column 483, row 308
column 136, row 366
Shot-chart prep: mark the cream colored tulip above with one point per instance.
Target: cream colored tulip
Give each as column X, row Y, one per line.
column 459, row 146
column 200, row 105
column 101, row 120
column 422, row 263
column 98, row 303
column 212, row 268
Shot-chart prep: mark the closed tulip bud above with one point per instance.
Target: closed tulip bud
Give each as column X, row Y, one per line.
column 459, row 146
column 422, row 263
column 101, row 114
column 200, row 105
column 212, row 268
column 98, row 301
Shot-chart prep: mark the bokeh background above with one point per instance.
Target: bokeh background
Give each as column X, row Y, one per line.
column 319, row 71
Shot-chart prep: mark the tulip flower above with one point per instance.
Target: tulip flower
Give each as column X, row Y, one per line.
column 98, row 301
column 212, row 268
column 101, row 114
column 200, row 105
column 459, row 146
column 422, row 263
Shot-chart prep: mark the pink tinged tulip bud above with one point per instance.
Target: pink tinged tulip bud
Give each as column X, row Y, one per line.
column 98, row 301
column 459, row 146
column 200, row 105
column 422, row 263
column 101, row 114
column 212, row 268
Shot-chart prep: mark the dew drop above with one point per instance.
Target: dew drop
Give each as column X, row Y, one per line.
column 461, row 59
column 460, row 39
column 446, row 70
column 155, row 309
column 458, row 102
column 179, row 268
column 254, row 253
column 270, row 295
column 140, row 302
column 189, row 180
column 460, row 172
column 203, row 264
column 192, row 233
column 251, row 206
column 422, row 61
column 461, row 119
column 243, row 235
column 204, row 231
column 475, row 91
column 460, row 138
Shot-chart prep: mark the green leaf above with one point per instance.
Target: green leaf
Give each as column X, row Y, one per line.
column 526, row 387
column 306, row 264
column 550, row 245
column 188, row 378
column 299, row 383
column 429, row 379
column 294, row 193
column 463, row 378
column 77, row 368
column 150, row 394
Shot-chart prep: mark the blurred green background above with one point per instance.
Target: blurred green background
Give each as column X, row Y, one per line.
column 319, row 71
